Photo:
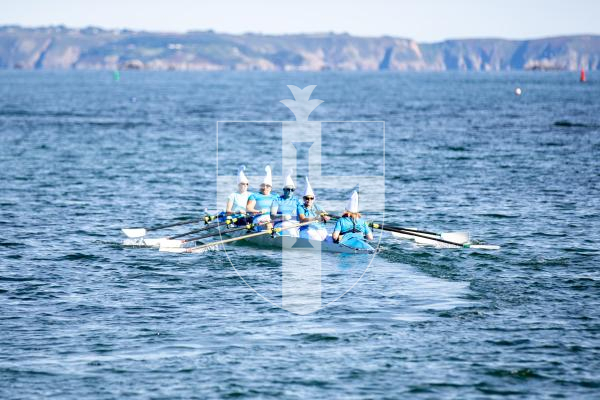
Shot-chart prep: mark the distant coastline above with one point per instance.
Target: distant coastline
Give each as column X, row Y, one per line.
column 59, row 47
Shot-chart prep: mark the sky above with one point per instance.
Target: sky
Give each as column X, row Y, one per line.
column 423, row 20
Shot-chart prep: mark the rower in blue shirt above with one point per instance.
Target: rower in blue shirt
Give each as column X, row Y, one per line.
column 259, row 204
column 351, row 225
column 236, row 201
column 285, row 208
column 310, row 211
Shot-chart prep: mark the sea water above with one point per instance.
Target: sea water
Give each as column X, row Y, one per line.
column 83, row 155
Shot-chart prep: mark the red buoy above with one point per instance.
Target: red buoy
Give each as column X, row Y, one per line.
column 582, row 75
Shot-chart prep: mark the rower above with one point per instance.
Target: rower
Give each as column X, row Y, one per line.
column 310, row 211
column 351, row 224
column 285, row 208
column 236, row 202
column 259, row 204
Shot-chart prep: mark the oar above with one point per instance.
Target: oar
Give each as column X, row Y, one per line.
column 460, row 237
column 203, row 247
column 436, row 239
column 377, row 226
column 389, row 228
column 172, row 243
column 139, row 232
column 211, row 225
column 157, row 242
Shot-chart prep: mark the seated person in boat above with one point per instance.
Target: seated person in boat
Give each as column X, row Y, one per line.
column 236, row 202
column 351, row 224
column 310, row 211
column 259, row 204
column 284, row 208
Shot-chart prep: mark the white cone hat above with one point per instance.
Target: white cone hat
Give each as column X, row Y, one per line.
column 241, row 176
column 352, row 205
column 308, row 189
column 268, row 178
column 289, row 183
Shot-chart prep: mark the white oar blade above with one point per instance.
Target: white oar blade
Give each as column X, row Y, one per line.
column 456, row 237
column 435, row 243
column 484, row 246
column 134, row 232
column 175, row 245
column 172, row 243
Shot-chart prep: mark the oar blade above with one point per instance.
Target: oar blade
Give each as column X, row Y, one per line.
column 435, row 243
column 134, row 232
column 457, row 237
column 171, row 243
column 166, row 244
column 484, row 246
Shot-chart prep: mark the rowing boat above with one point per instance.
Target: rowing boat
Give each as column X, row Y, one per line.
column 286, row 242
column 227, row 232
column 350, row 245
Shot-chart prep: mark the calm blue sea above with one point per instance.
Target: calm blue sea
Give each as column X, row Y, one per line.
column 83, row 155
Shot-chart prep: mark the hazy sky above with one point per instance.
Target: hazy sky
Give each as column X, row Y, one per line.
column 423, row 20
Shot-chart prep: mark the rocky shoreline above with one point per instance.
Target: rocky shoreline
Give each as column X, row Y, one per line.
column 60, row 47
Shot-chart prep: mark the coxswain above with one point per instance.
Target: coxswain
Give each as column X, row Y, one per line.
column 351, row 224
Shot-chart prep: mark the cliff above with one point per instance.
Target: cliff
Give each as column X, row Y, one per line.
column 94, row 48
